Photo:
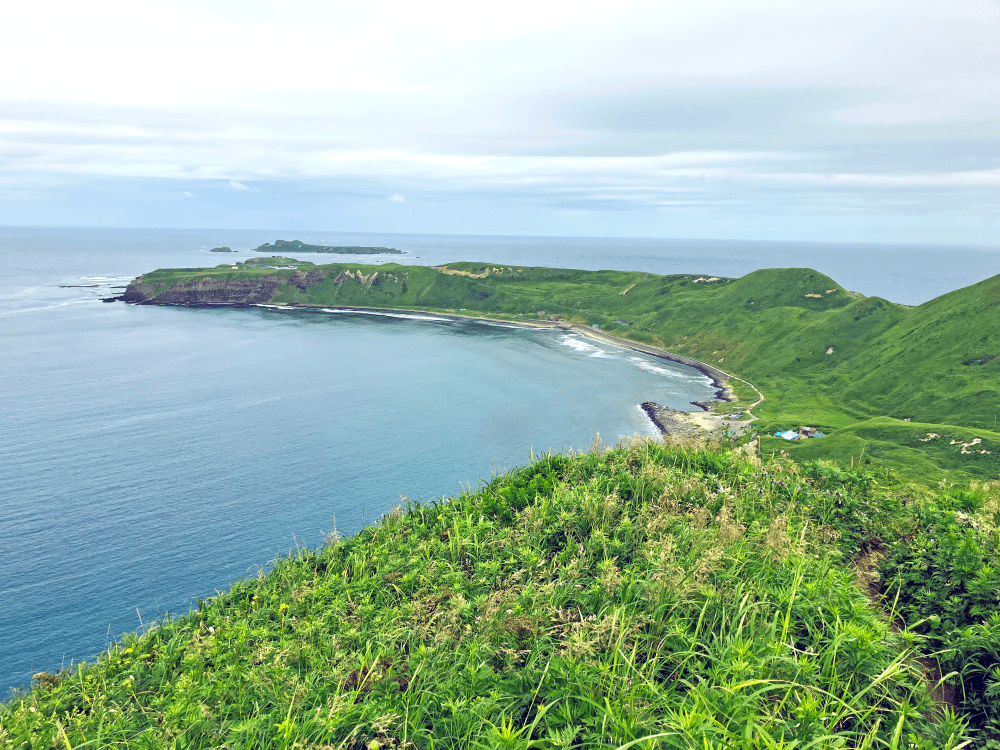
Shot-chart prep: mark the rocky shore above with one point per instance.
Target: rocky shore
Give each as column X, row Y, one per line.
column 672, row 422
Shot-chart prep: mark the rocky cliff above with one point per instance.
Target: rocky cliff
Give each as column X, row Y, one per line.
column 208, row 291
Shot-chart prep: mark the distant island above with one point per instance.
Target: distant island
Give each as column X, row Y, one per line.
column 222, row 250
column 301, row 247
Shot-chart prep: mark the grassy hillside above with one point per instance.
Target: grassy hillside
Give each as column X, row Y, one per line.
column 821, row 355
column 650, row 596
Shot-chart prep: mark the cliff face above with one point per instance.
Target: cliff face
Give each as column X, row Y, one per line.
column 218, row 291
column 205, row 292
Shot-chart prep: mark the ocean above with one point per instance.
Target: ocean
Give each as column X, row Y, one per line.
column 152, row 456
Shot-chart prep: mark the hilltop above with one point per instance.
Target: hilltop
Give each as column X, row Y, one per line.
column 915, row 388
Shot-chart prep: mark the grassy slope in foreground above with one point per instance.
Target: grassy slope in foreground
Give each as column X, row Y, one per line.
column 853, row 367
column 690, row 596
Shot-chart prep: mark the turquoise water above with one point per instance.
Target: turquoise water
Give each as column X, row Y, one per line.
column 150, row 456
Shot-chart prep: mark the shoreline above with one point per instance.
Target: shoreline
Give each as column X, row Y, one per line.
column 669, row 421
column 686, row 424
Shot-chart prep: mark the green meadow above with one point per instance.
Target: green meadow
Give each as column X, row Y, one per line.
column 647, row 596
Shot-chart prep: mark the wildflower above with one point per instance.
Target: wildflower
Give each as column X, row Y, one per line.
column 283, row 607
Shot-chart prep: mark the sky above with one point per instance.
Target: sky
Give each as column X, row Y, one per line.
column 840, row 121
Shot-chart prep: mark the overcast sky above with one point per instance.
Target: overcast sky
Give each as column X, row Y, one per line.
column 831, row 121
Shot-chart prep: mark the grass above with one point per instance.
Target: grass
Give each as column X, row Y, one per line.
column 821, row 355
column 649, row 596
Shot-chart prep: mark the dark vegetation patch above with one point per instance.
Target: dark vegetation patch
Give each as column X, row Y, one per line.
column 980, row 360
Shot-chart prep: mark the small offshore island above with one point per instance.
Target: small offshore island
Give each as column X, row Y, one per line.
column 301, row 247
column 672, row 594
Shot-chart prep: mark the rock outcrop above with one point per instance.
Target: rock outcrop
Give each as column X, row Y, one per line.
column 305, row 280
column 208, row 291
column 672, row 422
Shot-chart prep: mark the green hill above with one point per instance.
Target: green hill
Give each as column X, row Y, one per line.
column 821, row 355
column 651, row 596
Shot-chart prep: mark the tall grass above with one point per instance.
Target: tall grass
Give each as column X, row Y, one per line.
column 649, row 596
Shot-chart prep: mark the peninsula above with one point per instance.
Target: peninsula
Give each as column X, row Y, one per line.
column 915, row 389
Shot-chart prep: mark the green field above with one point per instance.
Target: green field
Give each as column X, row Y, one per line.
column 854, row 367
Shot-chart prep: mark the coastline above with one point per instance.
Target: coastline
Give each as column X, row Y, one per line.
column 670, row 422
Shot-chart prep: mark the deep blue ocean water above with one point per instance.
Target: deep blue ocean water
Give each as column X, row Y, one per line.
column 150, row 456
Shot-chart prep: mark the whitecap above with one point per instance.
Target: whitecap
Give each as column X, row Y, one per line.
column 579, row 344
column 687, row 374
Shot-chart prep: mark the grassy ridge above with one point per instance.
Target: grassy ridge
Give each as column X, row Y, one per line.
column 649, row 596
column 821, row 355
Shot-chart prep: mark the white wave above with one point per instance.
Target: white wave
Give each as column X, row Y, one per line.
column 26, row 309
column 579, row 344
column 494, row 324
column 651, row 429
column 585, row 347
column 688, row 373
column 108, row 279
column 383, row 314
column 274, row 307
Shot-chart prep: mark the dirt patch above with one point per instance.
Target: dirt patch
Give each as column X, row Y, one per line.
column 866, row 575
column 483, row 275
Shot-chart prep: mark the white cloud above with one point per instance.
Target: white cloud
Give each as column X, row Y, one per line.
column 397, row 198
column 600, row 98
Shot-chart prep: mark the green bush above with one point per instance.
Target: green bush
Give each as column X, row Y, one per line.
column 945, row 584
